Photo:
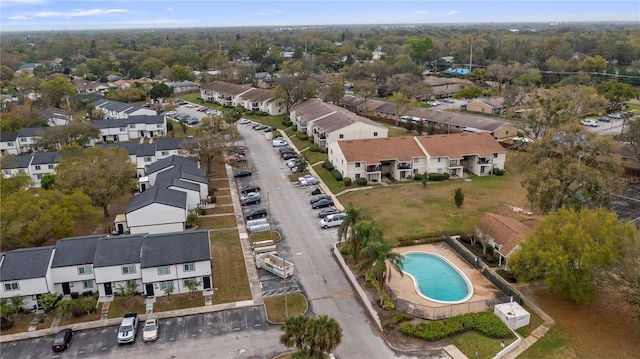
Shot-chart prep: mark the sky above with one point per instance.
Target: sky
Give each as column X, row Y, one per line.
column 47, row 15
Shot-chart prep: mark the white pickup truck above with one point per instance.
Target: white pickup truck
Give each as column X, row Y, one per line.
column 128, row 328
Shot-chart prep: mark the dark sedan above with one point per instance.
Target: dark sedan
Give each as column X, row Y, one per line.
column 243, row 173
column 62, row 340
column 327, row 211
column 249, row 189
column 323, row 203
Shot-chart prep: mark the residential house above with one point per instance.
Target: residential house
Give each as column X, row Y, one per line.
column 488, row 105
column 451, row 122
column 116, row 264
column 26, row 272
column 502, row 233
column 260, row 100
column 157, row 210
column 178, row 173
column 116, row 109
column 9, row 143
column 56, row 117
column 131, row 128
column 446, row 86
column 42, row 163
column 401, row 158
column 247, row 97
column 85, row 87
column 167, row 147
column 328, row 123
column 14, row 165
column 224, row 93
column 171, row 162
column 172, row 261
column 72, row 265
column 183, row 87
column 28, row 136
column 395, row 157
column 477, row 153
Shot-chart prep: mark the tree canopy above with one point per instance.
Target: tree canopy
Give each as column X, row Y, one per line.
column 572, row 251
column 617, row 92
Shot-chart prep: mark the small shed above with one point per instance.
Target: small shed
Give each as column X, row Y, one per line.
column 512, row 314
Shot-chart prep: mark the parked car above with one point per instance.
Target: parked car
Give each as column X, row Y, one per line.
column 256, row 213
column 288, row 155
column 250, row 201
column 171, row 113
column 150, row 330
column 243, row 173
column 433, row 102
column 615, row 115
column 244, row 121
column 589, row 122
column 250, row 195
column 279, row 143
column 285, row 149
column 448, row 100
column 259, row 127
column 190, row 105
column 318, row 198
column 270, row 129
column 316, row 191
column 327, row 211
column 250, row 188
column 322, row 203
column 62, row 340
column 128, row 328
column 193, row 121
column 332, row 220
column 210, row 111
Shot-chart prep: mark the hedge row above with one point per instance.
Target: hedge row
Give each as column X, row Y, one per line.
column 438, row 176
column 486, row 323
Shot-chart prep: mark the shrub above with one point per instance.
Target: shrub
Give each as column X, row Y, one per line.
column 286, row 122
column 327, row 165
column 88, row 293
column 498, row 172
column 74, row 295
column 438, row 176
column 346, row 181
column 337, row 175
column 301, row 136
column 48, row 301
column 361, row 181
column 76, row 311
column 484, row 322
column 417, row 177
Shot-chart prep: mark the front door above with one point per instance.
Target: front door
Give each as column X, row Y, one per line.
column 107, row 289
column 206, row 282
column 120, row 228
column 65, row 289
column 149, row 289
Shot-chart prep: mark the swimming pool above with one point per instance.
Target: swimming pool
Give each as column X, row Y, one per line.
column 437, row 279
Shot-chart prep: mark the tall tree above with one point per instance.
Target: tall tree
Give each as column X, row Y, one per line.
column 323, row 335
column 78, row 132
column 295, row 84
column 101, row 173
column 54, row 90
column 295, row 331
column 364, row 232
column 617, row 93
column 631, row 134
column 572, row 169
column 207, row 146
column 420, row 48
column 347, row 227
column 375, row 255
column 572, row 252
column 31, row 218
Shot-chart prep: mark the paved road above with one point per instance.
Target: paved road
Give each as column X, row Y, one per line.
column 232, row 334
column 308, row 247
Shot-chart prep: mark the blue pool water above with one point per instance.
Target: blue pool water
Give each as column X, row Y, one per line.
column 436, row 279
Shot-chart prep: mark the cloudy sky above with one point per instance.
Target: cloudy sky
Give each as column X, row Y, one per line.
column 32, row 15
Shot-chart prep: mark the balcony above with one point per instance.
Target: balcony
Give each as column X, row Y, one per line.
column 373, row 168
column 484, row 161
column 404, row 166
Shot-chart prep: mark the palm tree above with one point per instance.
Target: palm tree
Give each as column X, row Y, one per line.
column 324, row 334
column 363, row 233
column 353, row 216
column 375, row 256
column 295, row 331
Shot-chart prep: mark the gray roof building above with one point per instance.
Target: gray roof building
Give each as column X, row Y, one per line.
column 15, row 162
column 75, row 251
column 25, row 263
column 120, row 250
column 175, row 248
column 160, row 195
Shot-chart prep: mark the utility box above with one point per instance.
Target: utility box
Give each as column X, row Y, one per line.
column 512, row 314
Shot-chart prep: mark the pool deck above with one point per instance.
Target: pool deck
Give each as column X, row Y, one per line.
column 403, row 286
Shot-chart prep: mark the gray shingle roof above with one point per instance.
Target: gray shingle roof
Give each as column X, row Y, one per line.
column 171, row 143
column 40, row 158
column 75, row 251
column 146, row 149
column 8, row 136
column 15, row 162
column 176, row 182
column 188, row 173
column 25, row 263
column 175, row 248
column 32, row 131
column 160, row 195
column 172, row 161
column 132, row 148
column 113, row 251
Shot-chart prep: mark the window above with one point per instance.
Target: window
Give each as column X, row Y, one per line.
column 22, row 139
column 159, row 125
column 37, row 167
column 453, row 162
column 341, row 136
column 50, row 167
column 87, row 284
column 147, row 159
column 495, row 155
column 189, row 267
column 39, row 176
column 439, row 159
column 132, row 126
column 165, row 153
column 84, row 269
column 11, row 286
column 186, row 282
column 128, row 269
column 357, row 164
column 10, row 144
column 166, row 285
column 357, row 175
column 439, row 170
column 375, row 134
column 164, row 270
column 416, row 160
column 7, row 172
column 122, row 129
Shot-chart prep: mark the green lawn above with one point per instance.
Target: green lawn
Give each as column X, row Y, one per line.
column 218, row 222
column 296, row 305
column 264, row 236
column 126, row 304
column 230, row 274
column 314, row 157
column 472, row 343
column 551, row 346
column 178, row 301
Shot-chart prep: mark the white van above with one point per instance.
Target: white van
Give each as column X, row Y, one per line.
column 332, row 220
